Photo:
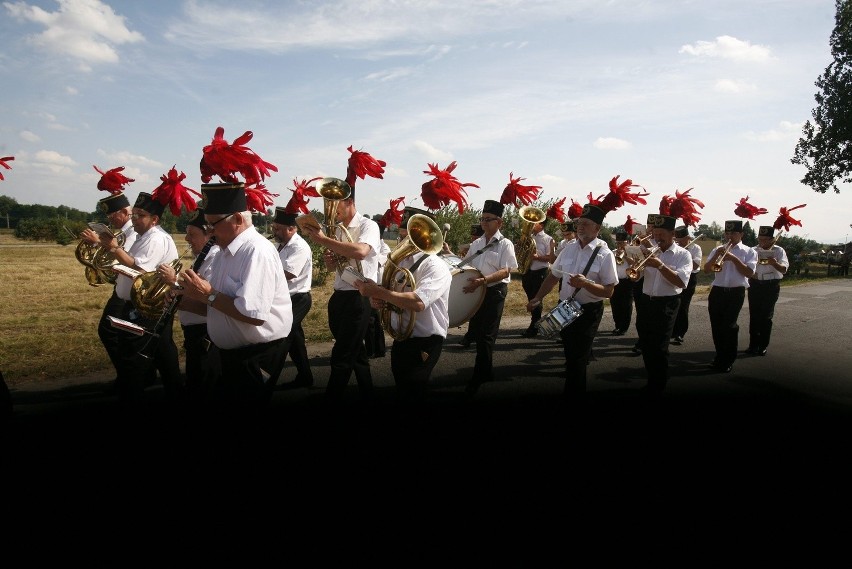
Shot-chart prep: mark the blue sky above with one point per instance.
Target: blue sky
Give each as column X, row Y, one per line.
column 567, row 94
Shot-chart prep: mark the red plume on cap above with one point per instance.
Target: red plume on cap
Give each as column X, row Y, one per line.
column 393, row 215
column 173, row 193
column 5, row 165
column 518, row 194
column 619, row 194
column 746, row 210
column 444, row 188
column 226, row 160
column 556, row 211
column 575, row 210
column 784, row 220
column 258, row 198
column 362, row 164
column 628, row 225
column 112, row 181
column 298, row 202
column 682, row 206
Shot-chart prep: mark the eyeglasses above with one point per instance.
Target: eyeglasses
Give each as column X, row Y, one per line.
column 138, row 215
column 487, row 219
column 209, row 227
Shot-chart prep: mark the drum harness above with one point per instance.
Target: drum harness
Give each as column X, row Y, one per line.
column 466, row 260
column 586, row 270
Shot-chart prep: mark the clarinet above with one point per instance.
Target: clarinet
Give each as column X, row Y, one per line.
column 169, row 310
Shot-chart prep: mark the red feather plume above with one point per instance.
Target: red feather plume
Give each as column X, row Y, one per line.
column 556, row 211
column 628, row 225
column 258, row 198
column 575, row 210
column 219, row 158
column 173, row 193
column 518, row 194
column 112, row 181
column 298, row 201
column 362, row 164
column 784, row 220
column 3, row 163
column 684, row 207
column 619, row 194
column 393, row 215
column 746, row 210
column 444, row 188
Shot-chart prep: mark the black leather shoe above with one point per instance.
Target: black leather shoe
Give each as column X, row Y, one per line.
column 636, row 349
column 530, row 333
column 618, row 332
column 464, row 343
column 727, row 369
column 677, row 340
column 761, row 351
column 751, row 350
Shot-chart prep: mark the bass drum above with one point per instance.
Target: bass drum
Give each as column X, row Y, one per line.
column 462, row 305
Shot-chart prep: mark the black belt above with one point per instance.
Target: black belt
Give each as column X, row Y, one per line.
column 298, row 295
column 763, row 281
column 729, row 288
column 669, row 297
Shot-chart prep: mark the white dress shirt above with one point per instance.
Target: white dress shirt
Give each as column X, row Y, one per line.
column 696, row 254
column 574, row 258
column 729, row 276
column 432, row 286
column 768, row 272
column 149, row 251
column 543, row 243
column 297, row 259
column 186, row 317
column 501, row 255
column 129, row 235
column 676, row 258
column 249, row 270
column 363, row 230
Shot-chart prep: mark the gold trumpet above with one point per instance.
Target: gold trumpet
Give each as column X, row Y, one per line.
column 148, row 292
column 720, row 259
column 526, row 244
column 633, row 272
column 333, row 190
column 619, row 257
column 765, row 260
column 425, row 236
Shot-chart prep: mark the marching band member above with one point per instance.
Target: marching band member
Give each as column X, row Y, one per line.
column 727, row 292
column 764, row 288
column 494, row 258
column 666, row 274
column 476, row 232
column 532, row 279
column 413, row 358
column 298, row 263
column 682, row 321
column 621, row 302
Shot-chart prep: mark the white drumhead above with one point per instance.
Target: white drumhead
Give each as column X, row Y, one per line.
column 462, row 305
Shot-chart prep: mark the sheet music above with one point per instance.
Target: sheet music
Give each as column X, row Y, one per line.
column 125, row 325
column 126, row 271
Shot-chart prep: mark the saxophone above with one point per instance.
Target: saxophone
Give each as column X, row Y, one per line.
column 526, row 244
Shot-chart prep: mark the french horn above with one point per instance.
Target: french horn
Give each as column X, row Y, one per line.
column 98, row 260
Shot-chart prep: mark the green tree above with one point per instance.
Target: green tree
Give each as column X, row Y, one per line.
column 713, row 231
column 749, row 236
column 824, row 149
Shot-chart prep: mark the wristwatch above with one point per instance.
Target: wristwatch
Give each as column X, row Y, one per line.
column 211, row 298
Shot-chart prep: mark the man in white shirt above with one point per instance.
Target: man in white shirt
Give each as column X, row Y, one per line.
column 666, row 274
column 736, row 264
column 246, row 299
column 681, row 326
column 494, row 257
column 590, row 255
column 297, row 261
column 764, row 288
column 532, row 279
column 414, row 357
column 348, row 311
column 621, row 302
column 153, row 247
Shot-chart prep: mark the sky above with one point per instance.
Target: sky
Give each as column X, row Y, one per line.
column 566, row 94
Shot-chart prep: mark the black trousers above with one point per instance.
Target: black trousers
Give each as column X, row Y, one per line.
column 762, row 296
column 531, row 281
column 638, row 295
column 655, row 330
column 298, row 351
column 374, row 339
column 348, row 317
column 140, row 357
column 484, row 327
column 621, row 304
column 723, row 306
column 412, row 362
column 682, row 320
column 249, row 375
column 109, row 335
column 203, row 367
column 577, row 340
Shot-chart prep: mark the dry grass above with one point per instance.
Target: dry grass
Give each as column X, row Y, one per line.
column 49, row 314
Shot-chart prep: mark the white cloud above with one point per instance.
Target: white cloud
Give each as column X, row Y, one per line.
column 609, row 143
column 123, row 158
column 71, row 90
column 389, row 74
column 727, row 47
column 733, row 86
column 85, row 30
column 29, row 136
column 786, row 131
column 431, row 153
column 53, row 160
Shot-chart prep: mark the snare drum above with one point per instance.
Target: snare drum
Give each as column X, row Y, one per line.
column 563, row 314
column 462, row 305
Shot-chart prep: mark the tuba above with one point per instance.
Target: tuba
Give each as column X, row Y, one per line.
column 332, row 191
column 148, row 292
column 526, row 244
column 425, row 236
column 98, row 261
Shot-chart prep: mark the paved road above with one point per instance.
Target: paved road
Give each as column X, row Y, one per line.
column 776, row 424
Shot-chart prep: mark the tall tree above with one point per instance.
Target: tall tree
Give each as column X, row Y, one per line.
column 825, row 150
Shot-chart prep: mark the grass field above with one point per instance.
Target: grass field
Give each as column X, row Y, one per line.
column 49, row 313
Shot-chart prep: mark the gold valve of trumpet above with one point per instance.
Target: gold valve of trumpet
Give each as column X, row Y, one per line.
column 619, row 257
column 719, row 261
column 634, row 271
